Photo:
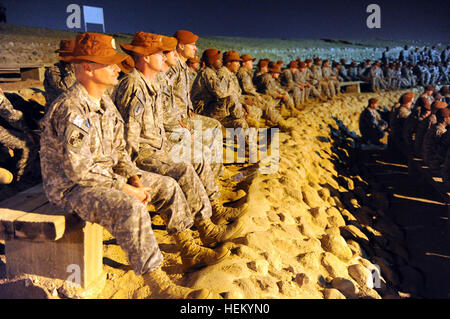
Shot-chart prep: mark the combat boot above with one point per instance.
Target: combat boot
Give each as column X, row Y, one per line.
column 284, row 125
column 5, row 176
column 163, row 285
column 195, row 256
column 231, row 196
column 224, row 215
column 211, row 234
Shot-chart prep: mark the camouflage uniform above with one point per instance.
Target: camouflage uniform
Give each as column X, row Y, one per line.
column 432, row 149
column 264, row 102
column 269, row 86
column 85, row 167
column 192, row 76
column 325, row 86
column 398, row 120
column 328, row 74
column 301, row 78
column 175, row 132
column 179, row 77
column 234, row 88
column 424, row 124
column 58, row 78
column 139, row 101
column 12, row 134
column 370, row 126
column 211, row 97
column 377, row 80
column 288, row 84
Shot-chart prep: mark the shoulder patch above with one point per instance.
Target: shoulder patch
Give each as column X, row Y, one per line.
column 75, row 137
column 171, row 73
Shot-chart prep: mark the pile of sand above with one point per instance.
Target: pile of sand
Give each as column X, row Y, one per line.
column 312, row 230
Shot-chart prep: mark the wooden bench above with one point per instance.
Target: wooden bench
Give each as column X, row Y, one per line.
column 22, row 72
column 41, row 240
column 351, row 86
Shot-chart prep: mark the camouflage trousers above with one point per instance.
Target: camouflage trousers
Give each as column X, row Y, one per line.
column 425, row 78
column 16, row 140
column 378, row 83
column 307, row 92
column 296, row 95
column 195, row 179
column 267, row 107
column 128, row 219
column 211, row 138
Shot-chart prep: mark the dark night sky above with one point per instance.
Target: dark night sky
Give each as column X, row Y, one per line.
column 401, row 19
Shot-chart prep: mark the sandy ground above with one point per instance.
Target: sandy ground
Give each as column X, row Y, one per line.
column 315, row 228
column 320, row 227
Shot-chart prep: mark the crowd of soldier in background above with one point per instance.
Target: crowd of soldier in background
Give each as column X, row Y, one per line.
column 417, row 126
column 106, row 141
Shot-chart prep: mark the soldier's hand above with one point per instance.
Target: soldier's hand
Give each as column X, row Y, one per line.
column 135, row 181
column 141, row 193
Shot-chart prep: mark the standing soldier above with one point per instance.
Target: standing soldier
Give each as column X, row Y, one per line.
column 424, row 72
column 404, row 54
column 445, row 54
column 415, row 56
column 386, row 56
column 60, row 76
column 16, row 135
column 86, row 169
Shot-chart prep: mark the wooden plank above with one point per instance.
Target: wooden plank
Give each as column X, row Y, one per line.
column 40, row 227
column 28, row 200
column 7, row 218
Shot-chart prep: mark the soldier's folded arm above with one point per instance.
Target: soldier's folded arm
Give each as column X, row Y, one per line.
column 131, row 110
column 125, row 166
column 11, row 115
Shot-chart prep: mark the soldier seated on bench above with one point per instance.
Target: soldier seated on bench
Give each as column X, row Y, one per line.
column 16, row 135
column 86, row 169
